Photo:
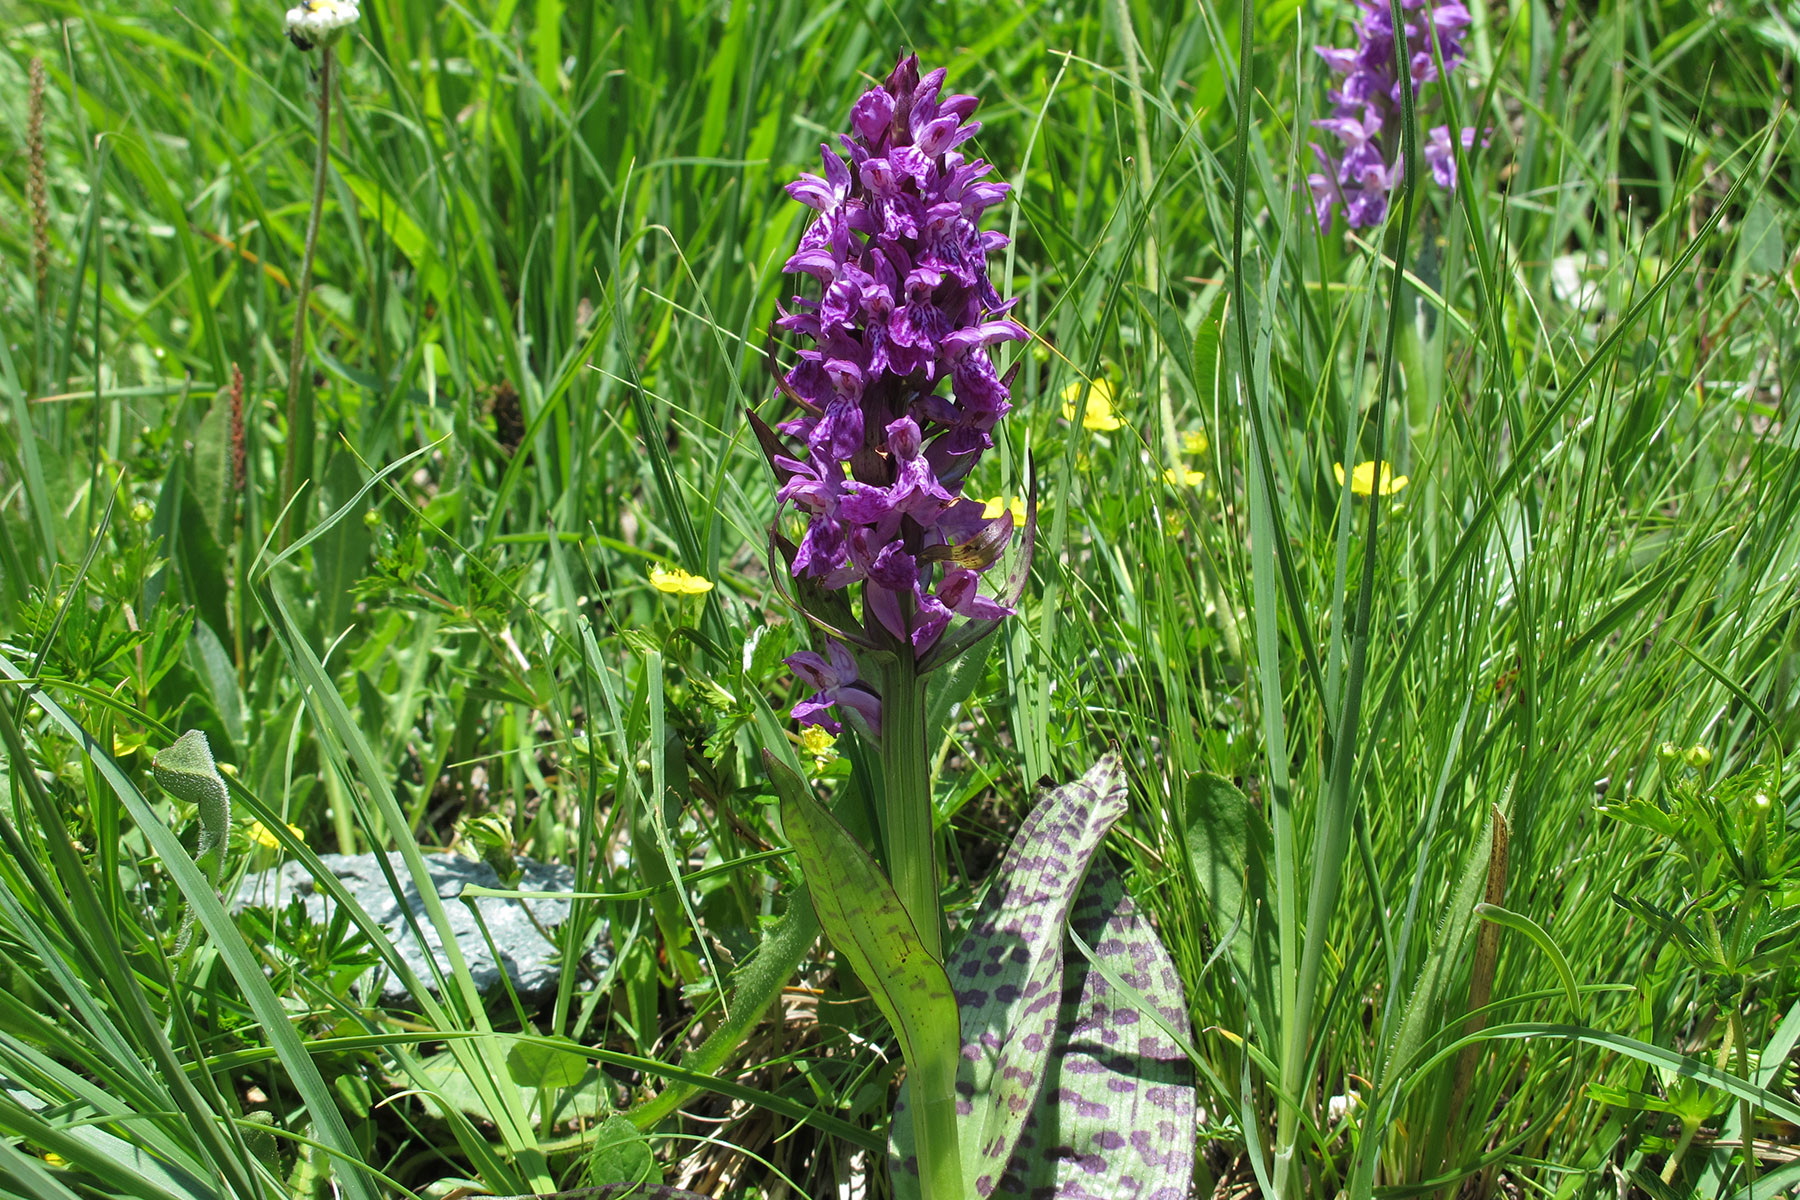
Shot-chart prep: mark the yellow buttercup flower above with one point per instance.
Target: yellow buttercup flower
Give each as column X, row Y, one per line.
column 678, row 582
column 999, row 504
column 818, row 743
column 1097, row 412
column 1194, row 442
column 1182, row 477
column 1362, row 478
column 259, row 835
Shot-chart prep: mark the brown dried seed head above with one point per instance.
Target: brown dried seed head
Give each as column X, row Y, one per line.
column 237, row 429
column 37, row 192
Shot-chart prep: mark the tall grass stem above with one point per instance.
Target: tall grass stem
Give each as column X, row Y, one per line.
column 36, row 188
column 1140, row 120
column 297, row 453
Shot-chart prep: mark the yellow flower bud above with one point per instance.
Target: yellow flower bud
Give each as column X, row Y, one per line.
column 260, row 835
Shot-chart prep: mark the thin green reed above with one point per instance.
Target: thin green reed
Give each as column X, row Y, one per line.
column 297, row 451
column 1303, row 945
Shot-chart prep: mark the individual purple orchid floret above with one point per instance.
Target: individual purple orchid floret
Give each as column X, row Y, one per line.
column 898, row 393
column 837, row 683
column 1363, row 168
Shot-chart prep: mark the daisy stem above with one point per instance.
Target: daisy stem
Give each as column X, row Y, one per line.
column 296, row 461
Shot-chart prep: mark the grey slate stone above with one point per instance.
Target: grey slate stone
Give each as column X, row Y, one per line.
column 530, row 961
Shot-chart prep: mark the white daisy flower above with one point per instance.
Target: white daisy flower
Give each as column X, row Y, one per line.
column 319, row 22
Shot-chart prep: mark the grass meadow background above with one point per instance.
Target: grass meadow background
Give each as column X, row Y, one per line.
column 549, row 259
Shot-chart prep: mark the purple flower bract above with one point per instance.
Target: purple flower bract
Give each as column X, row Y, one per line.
column 898, row 394
column 1365, row 119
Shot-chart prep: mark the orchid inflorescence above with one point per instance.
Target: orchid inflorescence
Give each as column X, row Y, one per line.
column 905, row 306
column 1366, row 116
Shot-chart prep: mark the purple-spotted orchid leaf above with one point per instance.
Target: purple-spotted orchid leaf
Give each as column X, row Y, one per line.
column 1025, row 1003
column 1115, row 1116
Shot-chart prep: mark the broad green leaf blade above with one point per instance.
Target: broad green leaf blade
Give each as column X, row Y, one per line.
column 1009, row 976
column 1115, row 1117
column 1229, row 846
column 862, row 915
column 621, row 1155
column 545, row 1064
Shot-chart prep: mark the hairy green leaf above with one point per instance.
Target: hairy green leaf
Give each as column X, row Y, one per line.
column 186, row 771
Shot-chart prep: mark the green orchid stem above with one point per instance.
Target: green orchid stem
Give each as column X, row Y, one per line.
column 911, row 836
column 935, row 1139
column 296, row 460
column 907, row 822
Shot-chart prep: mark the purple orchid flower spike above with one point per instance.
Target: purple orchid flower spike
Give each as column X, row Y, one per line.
column 897, row 389
column 1361, row 170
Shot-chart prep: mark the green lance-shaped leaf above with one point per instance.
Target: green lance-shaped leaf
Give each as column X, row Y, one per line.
column 1114, row 1119
column 862, row 915
column 1008, row 974
column 187, row 772
column 1229, row 847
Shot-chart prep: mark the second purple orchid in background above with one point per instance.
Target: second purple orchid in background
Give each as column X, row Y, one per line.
column 1366, row 113
column 904, row 307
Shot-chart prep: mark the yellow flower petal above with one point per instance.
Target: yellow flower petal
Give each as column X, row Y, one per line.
column 1097, row 411
column 259, row 835
column 678, row 582
column 816, row 741
column 1182, row 477
column 1194, row 442
column 999, row 504
column 1362, row 478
